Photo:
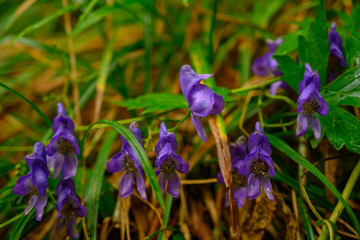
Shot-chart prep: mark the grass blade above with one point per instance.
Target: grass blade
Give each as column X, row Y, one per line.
column 48, row 122
column 291, row 153
column 306, row 219
column 134, row 143
column 92, row 194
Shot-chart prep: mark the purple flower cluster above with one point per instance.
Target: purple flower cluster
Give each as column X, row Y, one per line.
column 310, row 102
column 36, row 182
column 201, row 99
column 266, row 65
column 60, row 157
column 252, row 170
column 128, row 160
column 168, row 161
column 336, row 59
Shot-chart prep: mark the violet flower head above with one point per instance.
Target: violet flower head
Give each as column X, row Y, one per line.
column 238, row 154
column 167, row 162
column 68, row 206
column 201, row 99
column 336, row 44
column 309, row 102
column 63, row 147
column 36, row 182
column 258, row 165
column 128, row 160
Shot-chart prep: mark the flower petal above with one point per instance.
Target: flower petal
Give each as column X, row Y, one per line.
column 39, row 207
column 31, row 204
column 266, row 185
column 199, row 127
column 240, row 195
column 188, row 78
column 126, row 184
column 117, row 163
column 181, row 165
column 140, row 185
column 165, row 137
column 173, row 184
column 307, row 92
column 302, row 124
column 162, row 181
column 274, row 44
column 316, row 126
column 23, row 185
column 253, row 186
column 135, row 129
column 71, row 226
column 324, row 108
column 70, row 165
column 40, row 177
column 218, row 104
column 201, row 99
column 220, row 178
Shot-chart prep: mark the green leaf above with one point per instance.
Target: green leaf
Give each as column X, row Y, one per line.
column 93, row 188
column 140, row 152
column 154, row 102
column 293, row 73
column 16, row 230
column 345, row 90
column 342, row 128
column 306, row 219
column 283, row 147
column 289, row 44
column 48, row 122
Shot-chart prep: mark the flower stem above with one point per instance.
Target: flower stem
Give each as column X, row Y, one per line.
column 275, row 125
column 179, row 124
column 282, row 98
column 339, row 206
column 246, row 89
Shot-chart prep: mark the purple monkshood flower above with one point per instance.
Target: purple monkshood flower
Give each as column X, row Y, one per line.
column 267, row 65
column 258, row 165
column 128, row 160
column 36, row 182
column 238, row 153
column 336, row 44
column 63, row 147
column 68, row 206
column 167, row 162
column 201, row 99
column 309, row 102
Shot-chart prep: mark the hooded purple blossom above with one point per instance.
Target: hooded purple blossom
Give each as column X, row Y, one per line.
column 63, row 147
column 128, row 160
column 258, row 165
column 267, row 65
column 167, row 162
column 36, row 182
column 68, row 206
column 336, row 44
column 309, row 102
column 238, row 154
column 201, row 99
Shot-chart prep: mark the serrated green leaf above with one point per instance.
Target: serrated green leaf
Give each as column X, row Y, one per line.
column 293, row 73
column 154, row 102
column 342, row 128
column 93, row 189
column 140, row 152
column 289, row 44
column 283, row 147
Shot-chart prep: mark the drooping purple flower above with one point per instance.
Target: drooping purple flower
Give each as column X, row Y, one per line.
column 201, row 99
column 336, row 44
column 258, row 138
column 257, row 167
column 309, row 102
column 36, row 182
column 238, row 154
column 167, row 162
column 68, row 206
column 128, row 160
column 267, row 65
column 63, row 147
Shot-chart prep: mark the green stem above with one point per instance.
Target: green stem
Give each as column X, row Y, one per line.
column 282, row 98
column 280, row 125
column 246, row 89
column 259, row 105
column 11, row 220
column 179, row 124
column 339, row 206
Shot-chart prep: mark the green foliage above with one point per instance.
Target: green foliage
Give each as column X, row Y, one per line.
column 293, row 73
column 342, row 128
column 154, row 102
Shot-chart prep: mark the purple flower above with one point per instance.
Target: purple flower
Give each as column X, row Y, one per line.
column 257, row 167
column 201, row 99
column 62, row 149
column 238, row 153
column 309, row 102
column 258, row 138
column 36, row 182
column 167, row 162
column 267, row 65
column 128, row 160
column 68, row 206
column 336, row 44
